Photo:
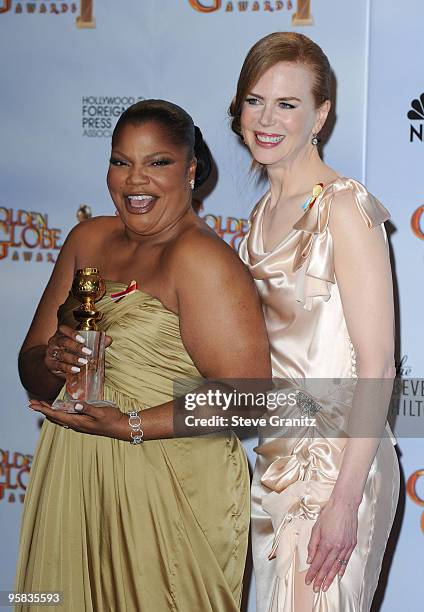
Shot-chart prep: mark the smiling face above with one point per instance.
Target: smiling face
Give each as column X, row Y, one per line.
column 279, row 116
column 148, row 178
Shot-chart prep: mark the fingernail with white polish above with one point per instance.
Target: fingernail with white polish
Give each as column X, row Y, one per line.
column 86, row 350
column 82, row 360
column 75, row 369
column 78, row 407
column 80, row 339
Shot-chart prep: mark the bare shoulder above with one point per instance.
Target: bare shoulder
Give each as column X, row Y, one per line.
column 355, row 210
column 94, row 228
column 91, row 235
column 356, row 226
column 200, row 251
column 343, row 205
column 352, row 200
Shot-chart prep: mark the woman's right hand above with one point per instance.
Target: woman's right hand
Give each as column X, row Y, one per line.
column 66, row 353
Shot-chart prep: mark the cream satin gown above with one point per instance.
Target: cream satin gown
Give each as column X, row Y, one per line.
column 293, row 478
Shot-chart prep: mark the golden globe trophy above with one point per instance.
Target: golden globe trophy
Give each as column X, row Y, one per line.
column 87, row 385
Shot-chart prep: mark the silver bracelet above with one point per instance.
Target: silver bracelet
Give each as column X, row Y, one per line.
column 134, row 421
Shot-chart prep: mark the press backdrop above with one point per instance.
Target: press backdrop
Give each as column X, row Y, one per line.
column 68, row 71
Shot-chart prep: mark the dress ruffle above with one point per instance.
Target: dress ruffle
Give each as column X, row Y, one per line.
column 300, row 485
column 314, row 257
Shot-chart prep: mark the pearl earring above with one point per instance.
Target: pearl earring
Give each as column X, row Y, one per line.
column 314, row 139
column 191, row 183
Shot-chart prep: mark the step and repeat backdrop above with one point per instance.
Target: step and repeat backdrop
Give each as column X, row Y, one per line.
column 70, row 68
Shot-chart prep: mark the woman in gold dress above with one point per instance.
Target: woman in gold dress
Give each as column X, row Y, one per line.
column 323, row 504
column 160, row 525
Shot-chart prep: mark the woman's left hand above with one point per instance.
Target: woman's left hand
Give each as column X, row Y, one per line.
column 96, row 420
column 332, row 542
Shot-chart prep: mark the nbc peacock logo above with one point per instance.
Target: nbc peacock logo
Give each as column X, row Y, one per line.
column 416, row 114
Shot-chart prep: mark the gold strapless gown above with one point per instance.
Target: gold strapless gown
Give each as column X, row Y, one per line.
column 294, row 478
column 148, row 528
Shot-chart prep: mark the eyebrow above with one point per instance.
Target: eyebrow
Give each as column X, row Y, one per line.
column 288, row 98
column 151, row 155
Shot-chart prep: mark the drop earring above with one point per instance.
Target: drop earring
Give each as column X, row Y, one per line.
column 191, row 183
column 314, row 139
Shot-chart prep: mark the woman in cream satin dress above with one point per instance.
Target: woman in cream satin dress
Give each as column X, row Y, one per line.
column 323, row 506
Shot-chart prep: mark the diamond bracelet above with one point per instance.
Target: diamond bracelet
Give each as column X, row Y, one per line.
column 134, row 421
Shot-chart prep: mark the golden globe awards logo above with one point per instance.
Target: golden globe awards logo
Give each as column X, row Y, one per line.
column 14, row 473
column 26, row 236
column 85, row 17
column 302, row 15
column 411, row 489
column 417, row 222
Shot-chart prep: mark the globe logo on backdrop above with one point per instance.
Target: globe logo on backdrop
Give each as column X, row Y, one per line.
column 85, row 19
column 413, row 494
column 417, row 114
column 27, row 236
column 14, row 473
column 416, row 222
column 301, row 17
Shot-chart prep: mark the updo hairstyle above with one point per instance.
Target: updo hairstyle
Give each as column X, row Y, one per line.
column 179, row 128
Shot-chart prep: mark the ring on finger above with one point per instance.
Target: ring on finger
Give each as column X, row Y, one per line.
column 65, row 426
column 55, row 354
column 342, row 561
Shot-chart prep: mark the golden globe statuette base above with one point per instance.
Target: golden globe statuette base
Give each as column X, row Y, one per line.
column 301, row 22
column 86, row 19
column 87, row 385
column 302, row 16
column 81, row 24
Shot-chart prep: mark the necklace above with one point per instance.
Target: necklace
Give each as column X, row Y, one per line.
column 311, row 200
